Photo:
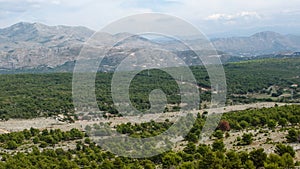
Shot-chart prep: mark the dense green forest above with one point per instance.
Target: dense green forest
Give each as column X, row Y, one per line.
column 32, row 95
column 43, row 149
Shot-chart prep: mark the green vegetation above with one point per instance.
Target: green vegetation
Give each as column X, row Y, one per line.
column 293, row 136
column 143, row 130
column 246, row 139
column 45, row 149
column 255, row 118
column 88, row 155
column 43, row 138
column 33, row 95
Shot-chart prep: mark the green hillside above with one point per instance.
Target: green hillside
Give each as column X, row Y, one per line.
column 32, row 95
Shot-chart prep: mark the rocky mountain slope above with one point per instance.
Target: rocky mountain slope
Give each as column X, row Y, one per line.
column 259, row 44
column 34, row 45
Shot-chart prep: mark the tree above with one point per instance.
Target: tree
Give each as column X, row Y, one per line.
column 244, row 156
column 258, row 157
column 203, row 149
column 148, row 164
column 271, row 166
column 218, row 145
column 190, row 148
column 255, row 121
column 209, row 161
column 26, row 134
column 224, row 125
column 272, row 124
column 12, row 145
column 282, row 149
column 246, row 139
column 43, row 144
column 287, row 161
column 244, row 124
column 87, row 140
column 35, row 150
column 171, row 159
column 249, row 164
column 76, row 134
column 191, row 137
column 186, row 165
column 78, row 146
column 294, row 120
column 282, row 122
column 233, row 160
column 67, row 164
column 107, row 164
column 34, row 131
column 218, row 134
column 49, row 139
column 45, row 132
column 293, row 136
column 118, row 163
column 36, row 140
column 274, row 159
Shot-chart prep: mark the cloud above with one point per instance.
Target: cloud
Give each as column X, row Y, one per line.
column 156, row 5
column 245, row 15
column 211, row 16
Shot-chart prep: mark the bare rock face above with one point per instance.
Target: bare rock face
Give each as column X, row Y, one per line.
column 33, row 44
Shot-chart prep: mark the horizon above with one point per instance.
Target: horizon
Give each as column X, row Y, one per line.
column 215, row 19
column 213, row 36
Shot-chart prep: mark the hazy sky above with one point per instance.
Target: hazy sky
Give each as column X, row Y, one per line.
column 213, row 17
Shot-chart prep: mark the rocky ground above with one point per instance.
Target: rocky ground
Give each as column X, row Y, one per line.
column 260, row 139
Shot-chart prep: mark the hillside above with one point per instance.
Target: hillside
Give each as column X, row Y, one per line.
column 29, row 45
column 32, row 95
column 258, row 44
column 244, row 139
column 35, row 47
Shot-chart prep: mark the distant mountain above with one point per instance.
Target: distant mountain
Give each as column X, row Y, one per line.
column 258, row 44
column 37, row 47
column 34, row 44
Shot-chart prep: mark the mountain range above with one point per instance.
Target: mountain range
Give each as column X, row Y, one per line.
column 35, row 45
column 259, row 44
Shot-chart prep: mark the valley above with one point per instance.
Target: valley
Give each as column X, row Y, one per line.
column 40, row 127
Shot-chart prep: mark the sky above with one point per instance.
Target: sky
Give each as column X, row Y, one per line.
column 215, row 18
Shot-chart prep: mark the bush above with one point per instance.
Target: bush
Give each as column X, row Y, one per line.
column 218, row 145
column 43, row 144
column 282, row 149
column 218, row 134
column 12, row 145
column 272, row 124
column 293, row 136
column 246, row 139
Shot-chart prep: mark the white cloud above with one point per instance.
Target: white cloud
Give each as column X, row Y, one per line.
column 245, row 15
column 207, row 15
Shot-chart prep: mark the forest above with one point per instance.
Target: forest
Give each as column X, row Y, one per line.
column 34, row 95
